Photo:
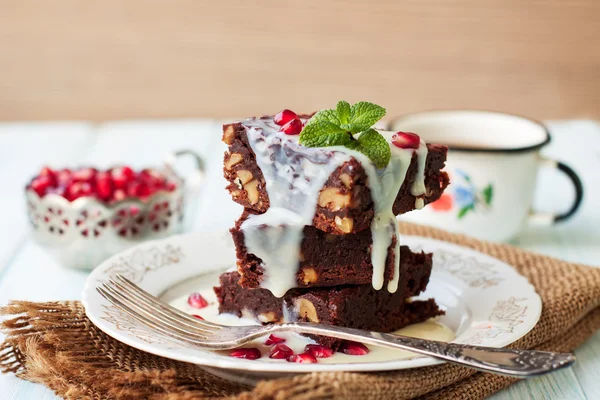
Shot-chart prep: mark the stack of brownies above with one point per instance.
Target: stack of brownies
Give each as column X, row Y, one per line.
column 318, row 239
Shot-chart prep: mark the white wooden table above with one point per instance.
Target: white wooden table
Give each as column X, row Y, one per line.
column 26, row 272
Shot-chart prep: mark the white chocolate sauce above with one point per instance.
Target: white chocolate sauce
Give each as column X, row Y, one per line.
column 294, row 176
column 431, row 329
column 418, row 188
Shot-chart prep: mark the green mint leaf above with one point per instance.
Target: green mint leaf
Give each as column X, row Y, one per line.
column 355, row 128
column 375, row 146
column 338, row 127
column 343, row 112
column 324, row 116
column 324, row 134
column 363, row 115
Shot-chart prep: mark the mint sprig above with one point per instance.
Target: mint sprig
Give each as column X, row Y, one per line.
column 349, row 126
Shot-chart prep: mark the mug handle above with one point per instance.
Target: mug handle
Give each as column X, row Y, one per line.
column 552, row 218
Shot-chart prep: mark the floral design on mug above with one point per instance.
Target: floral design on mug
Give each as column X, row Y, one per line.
column 443, row 204
column 469, row 198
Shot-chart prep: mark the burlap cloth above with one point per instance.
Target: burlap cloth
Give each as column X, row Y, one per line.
column 56, row 345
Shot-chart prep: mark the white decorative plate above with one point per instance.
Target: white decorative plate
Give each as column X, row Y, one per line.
column 486, row 301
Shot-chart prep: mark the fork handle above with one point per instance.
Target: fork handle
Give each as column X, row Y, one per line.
column 509, row 362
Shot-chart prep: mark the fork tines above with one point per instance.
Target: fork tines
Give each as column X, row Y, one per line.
column 151, row 311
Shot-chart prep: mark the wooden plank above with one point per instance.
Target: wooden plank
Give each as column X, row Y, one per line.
column 587, row 367
column 114, row 59
column 559, row 385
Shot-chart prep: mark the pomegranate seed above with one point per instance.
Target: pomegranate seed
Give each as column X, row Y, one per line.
column 318, row 351
column 78, row 189
column 48, row 172
column 59, row 190
column 406, row 140
column 121, row 176
column 104, row 185
column 249, row 353
column 284, row 117
column 280, row 351
column 354, row 348
column 138, row 189
column 305, row 358
column 197, row 316
column 152, row 177
column 272, row 339
column 197, row 301
column 84, row 174
column 170, row 186
column 40, row 185
column 119, row 195
column 294, row 127
column 64, row 177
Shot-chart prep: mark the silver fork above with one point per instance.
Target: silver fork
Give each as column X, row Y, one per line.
column 183, row 327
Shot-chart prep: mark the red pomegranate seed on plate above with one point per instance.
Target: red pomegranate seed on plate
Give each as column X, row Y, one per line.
column 354, row 348
column 40, row 185
column 305, row 358
column 197, row 316
column 284, row 117
column 248, row 353
column 272, row 339
column 318, row 351
column 294, row 127
column 197, row 301
column 281, row 351
column 406, row 140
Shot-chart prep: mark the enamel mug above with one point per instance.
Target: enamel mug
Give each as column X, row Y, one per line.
column 493, row 161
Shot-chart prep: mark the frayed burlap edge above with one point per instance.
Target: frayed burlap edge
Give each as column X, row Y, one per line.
column 55, row 344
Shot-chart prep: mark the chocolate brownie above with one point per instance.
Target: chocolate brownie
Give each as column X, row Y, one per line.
column 330, row 260
column 344, row 203
column 358, row 306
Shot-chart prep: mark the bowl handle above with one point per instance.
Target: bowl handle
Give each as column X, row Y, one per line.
column 192, row 183
column 194, row 180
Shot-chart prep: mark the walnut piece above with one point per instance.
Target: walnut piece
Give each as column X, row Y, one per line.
column 251, row 189
column 344, row 224
column 267, row 317
column 346, row 180
column 228, row 134
column 309, row 275
column 306, row 310
column 334, row 199
column 244, row 176
column 233, row 159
